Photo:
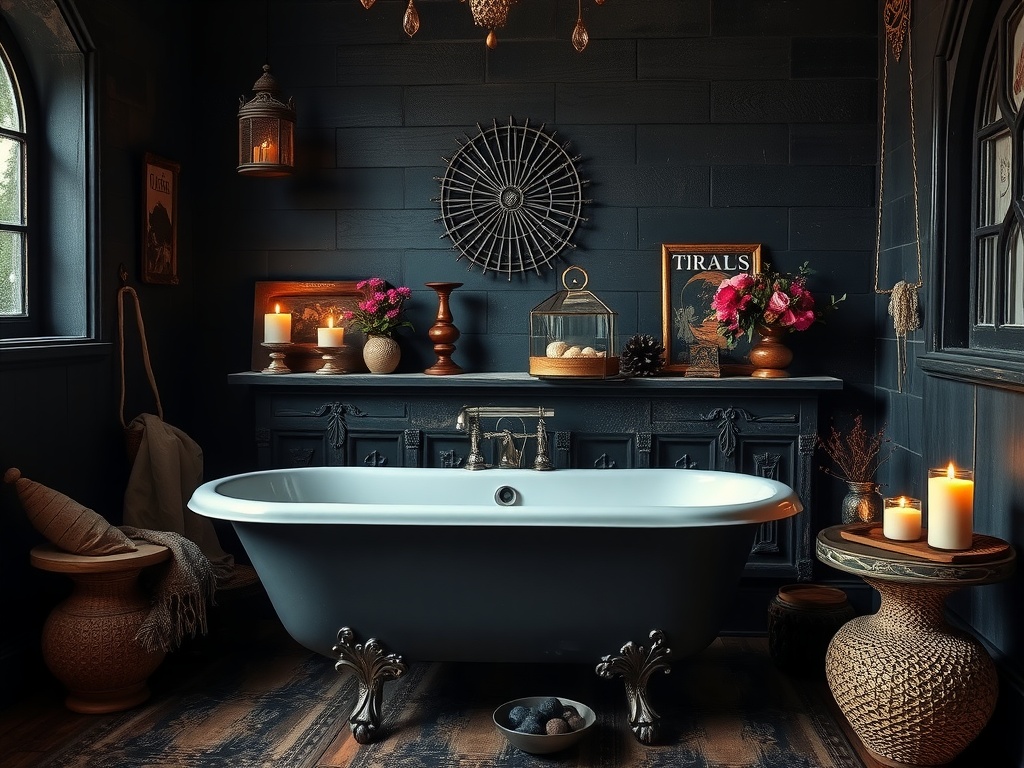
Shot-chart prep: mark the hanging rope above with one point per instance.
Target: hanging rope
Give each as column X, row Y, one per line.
column 903, row 295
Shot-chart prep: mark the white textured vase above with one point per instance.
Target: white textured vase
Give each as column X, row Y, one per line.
column 381, row 354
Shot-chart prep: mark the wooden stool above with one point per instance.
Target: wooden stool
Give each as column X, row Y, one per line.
column 88, row 639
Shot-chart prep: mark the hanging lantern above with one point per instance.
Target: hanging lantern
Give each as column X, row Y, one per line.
column 266, row 131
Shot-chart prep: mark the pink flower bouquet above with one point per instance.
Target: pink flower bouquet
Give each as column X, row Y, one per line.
column 379, row 313
column 745, row 302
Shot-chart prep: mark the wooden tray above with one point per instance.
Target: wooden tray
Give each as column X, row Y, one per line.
column 983, row 548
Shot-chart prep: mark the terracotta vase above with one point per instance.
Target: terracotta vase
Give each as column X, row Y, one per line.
column 862, row 503
column 381, row 354
column 770, row 355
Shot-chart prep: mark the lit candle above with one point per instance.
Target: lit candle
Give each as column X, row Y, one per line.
column 950, row 508
column 330, row 336
column 277, row 326
column 901, row 519
column 265, row 152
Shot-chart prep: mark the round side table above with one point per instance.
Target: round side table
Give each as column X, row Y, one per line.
column 915, row 690
column 88, row 639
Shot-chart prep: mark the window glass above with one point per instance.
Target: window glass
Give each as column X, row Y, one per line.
column 996, row 172
column 1015, row 280
column 986, row 281
column 13, row 288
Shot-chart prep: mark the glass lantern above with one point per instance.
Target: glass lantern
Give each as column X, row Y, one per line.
column 572, row 333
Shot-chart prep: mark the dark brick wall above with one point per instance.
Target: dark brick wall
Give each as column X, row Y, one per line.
column 695, row 120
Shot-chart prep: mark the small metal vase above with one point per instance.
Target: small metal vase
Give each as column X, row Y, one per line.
column 862, row 503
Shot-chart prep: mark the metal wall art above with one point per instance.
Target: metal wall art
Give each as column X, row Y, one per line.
column 511, row 198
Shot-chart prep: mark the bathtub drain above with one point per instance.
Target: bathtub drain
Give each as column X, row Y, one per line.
column 506, row 496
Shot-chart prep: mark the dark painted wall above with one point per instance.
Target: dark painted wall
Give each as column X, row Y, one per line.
column 697, row 121
column 935, row 419
column 59, row 416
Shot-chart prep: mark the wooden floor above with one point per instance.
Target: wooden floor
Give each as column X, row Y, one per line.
column 39, row 722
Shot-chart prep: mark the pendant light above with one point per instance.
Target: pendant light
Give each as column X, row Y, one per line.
column 490, row 15
column 266, row 131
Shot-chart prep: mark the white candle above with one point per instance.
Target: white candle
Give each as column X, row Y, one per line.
column 277, row 326
column 330, row 336
column 901, row 519
column 950, row 508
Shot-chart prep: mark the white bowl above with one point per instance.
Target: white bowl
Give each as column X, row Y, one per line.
column 537, row 744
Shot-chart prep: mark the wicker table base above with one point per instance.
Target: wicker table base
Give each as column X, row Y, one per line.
column 915, row 690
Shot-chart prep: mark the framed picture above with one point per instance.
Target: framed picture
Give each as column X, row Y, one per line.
column 160, row 221
column 690, row 275
column 309, row 303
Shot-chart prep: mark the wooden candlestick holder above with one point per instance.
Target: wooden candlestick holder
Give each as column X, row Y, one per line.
column 443, row 333
column 277, row 355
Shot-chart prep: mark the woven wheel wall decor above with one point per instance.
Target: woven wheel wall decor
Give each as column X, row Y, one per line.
column 511, row 198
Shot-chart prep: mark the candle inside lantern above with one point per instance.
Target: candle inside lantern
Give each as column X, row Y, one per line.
column 265, row 152
column 950, row 508
column 901, row 519
column 277, row 326
column 330, row 336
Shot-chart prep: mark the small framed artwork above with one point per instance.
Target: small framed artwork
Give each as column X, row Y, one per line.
column 160, row 221
column 690, row 275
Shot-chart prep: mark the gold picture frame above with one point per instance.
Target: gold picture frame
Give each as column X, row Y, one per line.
column 690, row 275
column 160, row 220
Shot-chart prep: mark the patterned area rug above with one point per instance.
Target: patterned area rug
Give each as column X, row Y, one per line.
column 728, row 707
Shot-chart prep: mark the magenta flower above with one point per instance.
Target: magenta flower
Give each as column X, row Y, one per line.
column 744, row 301
column 379, row 312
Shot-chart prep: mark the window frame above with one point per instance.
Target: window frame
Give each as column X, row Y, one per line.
column 61, row 63
column 965, row 40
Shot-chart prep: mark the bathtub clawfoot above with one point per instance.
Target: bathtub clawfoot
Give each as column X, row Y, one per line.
column 636, row 666
column 373, row 667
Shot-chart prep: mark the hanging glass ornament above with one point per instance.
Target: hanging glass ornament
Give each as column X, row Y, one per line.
column 411, row 21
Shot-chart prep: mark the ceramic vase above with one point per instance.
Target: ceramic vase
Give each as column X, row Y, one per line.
column 381, row 354
column 770, row 355
column 862, row 503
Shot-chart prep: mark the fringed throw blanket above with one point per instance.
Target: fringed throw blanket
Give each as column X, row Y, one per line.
column 179, row 600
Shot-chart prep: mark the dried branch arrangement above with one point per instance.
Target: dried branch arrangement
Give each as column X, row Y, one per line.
column 856, row 454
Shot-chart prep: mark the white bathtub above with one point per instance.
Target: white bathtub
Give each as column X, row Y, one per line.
column 499, row 565
column 431, row 564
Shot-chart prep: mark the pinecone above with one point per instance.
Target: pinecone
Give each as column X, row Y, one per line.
column 642, row 356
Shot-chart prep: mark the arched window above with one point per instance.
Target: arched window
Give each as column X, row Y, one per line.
column 998, row 214
column 13, row 200
column 48, row 203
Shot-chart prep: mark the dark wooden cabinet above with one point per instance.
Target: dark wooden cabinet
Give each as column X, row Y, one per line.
column 758, row 427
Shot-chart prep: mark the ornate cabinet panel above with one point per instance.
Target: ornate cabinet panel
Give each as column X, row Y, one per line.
column 736, row 424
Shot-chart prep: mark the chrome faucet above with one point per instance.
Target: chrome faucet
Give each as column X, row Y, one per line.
column 468, row 421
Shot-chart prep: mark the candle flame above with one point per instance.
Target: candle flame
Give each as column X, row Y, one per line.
column 330, row 321
column 951, row 471
column 903, row 501
column 277, row 309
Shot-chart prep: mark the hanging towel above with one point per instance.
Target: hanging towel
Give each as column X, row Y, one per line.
column 167, row 469
column 180, row 595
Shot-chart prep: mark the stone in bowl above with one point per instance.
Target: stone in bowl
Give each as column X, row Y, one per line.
column 541, row 744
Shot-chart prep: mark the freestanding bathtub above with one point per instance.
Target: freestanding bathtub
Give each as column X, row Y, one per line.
column 508, row 565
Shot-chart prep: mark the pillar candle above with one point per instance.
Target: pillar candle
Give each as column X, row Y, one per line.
column 277, row 326
column 950, row 508
column 901, row 519
column 330, row 336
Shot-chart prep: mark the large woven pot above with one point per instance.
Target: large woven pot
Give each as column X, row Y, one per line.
column 381, row 354
column 915, row 690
